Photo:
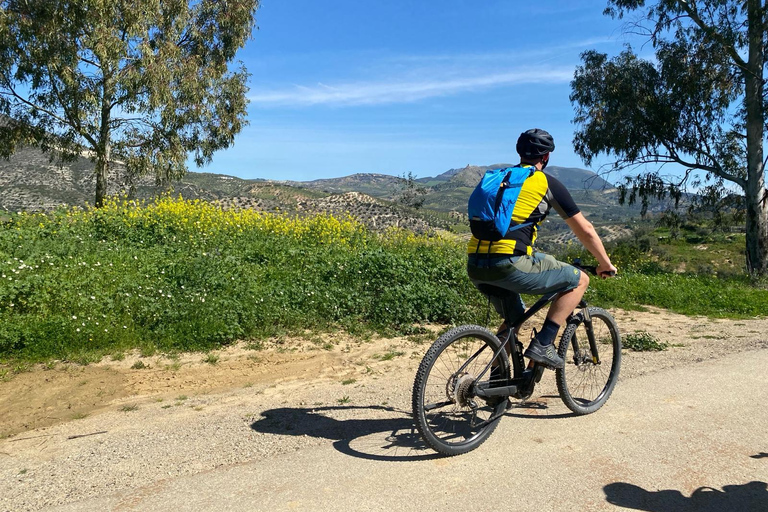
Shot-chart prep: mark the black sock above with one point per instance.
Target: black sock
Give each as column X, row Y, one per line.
column 548, row 332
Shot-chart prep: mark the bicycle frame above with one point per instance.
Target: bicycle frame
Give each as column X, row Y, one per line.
column 456, row 410
column 523, row 380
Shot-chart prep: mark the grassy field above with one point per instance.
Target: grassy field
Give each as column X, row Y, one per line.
column 181, row 275
column 177, row 275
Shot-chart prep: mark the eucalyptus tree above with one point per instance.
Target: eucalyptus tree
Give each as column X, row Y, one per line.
column 699, row 102
column 146, row 82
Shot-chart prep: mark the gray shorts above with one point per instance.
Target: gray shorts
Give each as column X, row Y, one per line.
column 537, row 274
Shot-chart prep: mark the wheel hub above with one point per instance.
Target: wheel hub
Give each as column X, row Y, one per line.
column 583, row 360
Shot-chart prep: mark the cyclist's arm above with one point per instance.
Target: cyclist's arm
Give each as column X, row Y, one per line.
column 561, row 200
column 585, row 232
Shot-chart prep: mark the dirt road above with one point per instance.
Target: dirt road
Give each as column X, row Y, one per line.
column 330, row 430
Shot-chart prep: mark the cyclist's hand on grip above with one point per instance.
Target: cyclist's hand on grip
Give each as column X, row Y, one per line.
column 606, row 270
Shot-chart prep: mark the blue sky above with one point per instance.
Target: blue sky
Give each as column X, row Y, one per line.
column 392, row 87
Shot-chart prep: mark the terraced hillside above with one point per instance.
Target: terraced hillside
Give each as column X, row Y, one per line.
column 31, row 181
column 375, row 213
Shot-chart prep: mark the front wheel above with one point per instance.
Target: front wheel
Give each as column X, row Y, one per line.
column 588, row 378
column 450, row 418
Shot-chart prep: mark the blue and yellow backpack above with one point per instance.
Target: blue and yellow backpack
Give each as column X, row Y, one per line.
column 493, row 200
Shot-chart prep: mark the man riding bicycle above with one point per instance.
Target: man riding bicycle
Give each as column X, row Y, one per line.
column 512, row 264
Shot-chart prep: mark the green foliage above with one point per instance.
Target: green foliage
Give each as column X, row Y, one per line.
column 145, row 80
column 177, row 275
column 693, row 275
column 643, row 341
column 211, row 359
column 409, row 192
column 698, row 104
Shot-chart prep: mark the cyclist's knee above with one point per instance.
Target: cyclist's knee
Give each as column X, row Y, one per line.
column 583, row 280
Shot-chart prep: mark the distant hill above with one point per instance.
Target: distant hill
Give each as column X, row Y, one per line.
column 449, row 191
column 573, row 178
column 375, row 185
column 30, row 181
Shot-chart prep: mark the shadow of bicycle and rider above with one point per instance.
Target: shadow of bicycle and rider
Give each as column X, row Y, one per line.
column 749, row 497
column 370, row 432
column 384, row 433
column 373, row 432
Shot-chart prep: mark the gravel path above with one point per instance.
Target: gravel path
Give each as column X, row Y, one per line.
column 141, row 440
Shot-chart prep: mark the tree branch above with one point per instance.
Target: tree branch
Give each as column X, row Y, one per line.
column 74, row 122
column 729, row 49
column 32, row 105
column 90, row 62
column 717, row 171
column 707, row 152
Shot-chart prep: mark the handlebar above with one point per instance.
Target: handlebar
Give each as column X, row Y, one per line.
column 592, row 269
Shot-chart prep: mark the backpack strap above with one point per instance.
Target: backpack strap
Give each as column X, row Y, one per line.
column 505, row 184
column 500, row 193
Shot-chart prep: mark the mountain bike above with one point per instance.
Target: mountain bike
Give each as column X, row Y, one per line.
column 468, row 376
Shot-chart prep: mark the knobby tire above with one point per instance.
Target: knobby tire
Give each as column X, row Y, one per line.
column 583, row 385
column 449, row 425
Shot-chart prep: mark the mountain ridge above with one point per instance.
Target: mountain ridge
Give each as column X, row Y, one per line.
column 31, row 181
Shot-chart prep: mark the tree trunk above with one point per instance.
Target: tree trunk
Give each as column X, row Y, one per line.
column 756, row 195
column 757, row 228
column 104, row 147
column 102, row 169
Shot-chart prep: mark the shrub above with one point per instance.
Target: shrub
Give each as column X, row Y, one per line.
column 643, row 341
column 175, row 275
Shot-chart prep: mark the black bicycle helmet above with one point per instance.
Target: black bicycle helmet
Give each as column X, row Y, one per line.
column 534, row 143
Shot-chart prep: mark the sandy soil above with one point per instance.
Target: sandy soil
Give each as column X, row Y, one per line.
column 62, row 392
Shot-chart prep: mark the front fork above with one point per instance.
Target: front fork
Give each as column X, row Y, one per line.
column 587, row 319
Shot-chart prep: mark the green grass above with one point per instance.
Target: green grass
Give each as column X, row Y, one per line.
column 388, row 355
column 176, row 276
column 682, row 293
column 211, row 359
column 643, row 341
column 182, row 276
column 699, row 287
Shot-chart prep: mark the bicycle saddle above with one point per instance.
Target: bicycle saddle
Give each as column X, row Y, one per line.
column 493, row 291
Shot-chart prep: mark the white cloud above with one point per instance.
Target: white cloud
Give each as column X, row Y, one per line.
column 388, row 92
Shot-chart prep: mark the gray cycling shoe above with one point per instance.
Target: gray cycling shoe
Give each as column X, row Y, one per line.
column 546, row 355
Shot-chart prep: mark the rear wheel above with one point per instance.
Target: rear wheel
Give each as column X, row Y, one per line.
column 588, row 379
column 450, row 418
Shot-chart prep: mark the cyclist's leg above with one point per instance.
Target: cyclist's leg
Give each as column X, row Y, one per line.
column 494, row 271
column 542, row 274
column 510, row 307
column 567, row 301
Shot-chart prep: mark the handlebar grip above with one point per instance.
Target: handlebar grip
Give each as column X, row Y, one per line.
column 592, row 269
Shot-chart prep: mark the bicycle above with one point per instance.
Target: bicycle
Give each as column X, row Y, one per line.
column 463, row 384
